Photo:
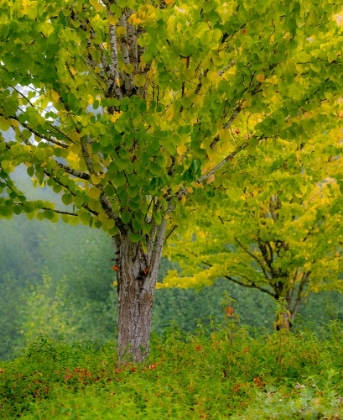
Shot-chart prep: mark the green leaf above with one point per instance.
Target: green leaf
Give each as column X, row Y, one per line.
column 136, row 225
column 118, row 180
column 155, row 169
column 135, row 237
column 126, row 217
column 67, row 199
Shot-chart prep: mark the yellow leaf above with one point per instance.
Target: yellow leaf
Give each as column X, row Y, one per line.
column 97, row 6
column 75, row 149
column 75, row 136
column 183, row 200
column 72, row 71
column 94, row 193
column 115, row 116
column 246, row 103
column 55, row 96
column 190, row 190
column 260, row 78
column 168, row 2
column 212, row 154
column 198, row 185
column 102, row 217
column 121, row 31
column 210, row 179
column 112, row 20
column 134, row 19
column 95, row 179
column 181, row 149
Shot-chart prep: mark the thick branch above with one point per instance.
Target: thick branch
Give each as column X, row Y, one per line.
column 115, row 89
column 125, row 45
column 156, row 253
column 300, row 291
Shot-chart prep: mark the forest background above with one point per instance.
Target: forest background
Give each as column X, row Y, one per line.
column 76, row 300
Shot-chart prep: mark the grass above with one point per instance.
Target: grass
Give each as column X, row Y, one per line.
column 228, row 373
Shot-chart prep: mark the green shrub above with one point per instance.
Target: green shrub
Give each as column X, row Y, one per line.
column 217, row 373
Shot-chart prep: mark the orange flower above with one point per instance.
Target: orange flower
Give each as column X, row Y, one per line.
column 229, row 311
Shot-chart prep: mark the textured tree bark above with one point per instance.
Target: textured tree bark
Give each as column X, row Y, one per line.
column 284, row 321
column 285, row 318
column 137, row 274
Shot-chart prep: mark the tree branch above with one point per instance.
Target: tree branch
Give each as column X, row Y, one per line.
column 300, row 291
column 227, row 125
column 252, row 284
column 184, row 191
column 74, row 172
column 48, row 139
column 155, row 259
column 171, row 232
column 222, row 163
column 105, row 202
column 255, row 258
column 68, row 189
column 114, row 88
column 61, row 212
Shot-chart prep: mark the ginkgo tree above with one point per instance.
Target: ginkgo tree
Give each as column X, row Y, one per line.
column 280, row 231
column 126, row 109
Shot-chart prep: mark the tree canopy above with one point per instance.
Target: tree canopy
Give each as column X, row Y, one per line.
column 280, row 233
column 170, row 79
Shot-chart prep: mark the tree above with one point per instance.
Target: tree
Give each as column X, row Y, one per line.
column 126, row 108
column 281, row 233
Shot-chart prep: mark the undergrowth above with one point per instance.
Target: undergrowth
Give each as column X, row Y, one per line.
column 231, row 372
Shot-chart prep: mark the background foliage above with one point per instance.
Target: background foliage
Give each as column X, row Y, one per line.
column 76, row 301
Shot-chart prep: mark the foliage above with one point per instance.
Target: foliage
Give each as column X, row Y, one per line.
column 10, row 317
column 170, row 79
column 86, row 295
column 125, row 109
column 59, row 312
column 230, row 373
column 280, row 233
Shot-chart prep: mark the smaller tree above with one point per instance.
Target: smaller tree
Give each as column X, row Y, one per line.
column 281, row 234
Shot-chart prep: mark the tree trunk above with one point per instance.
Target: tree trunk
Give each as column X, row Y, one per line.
column 137, row 274
column 286, row 314
column 284, row 320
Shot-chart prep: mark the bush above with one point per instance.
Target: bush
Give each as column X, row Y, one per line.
column 215, row 374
